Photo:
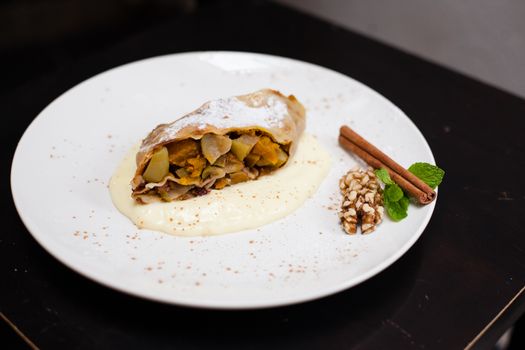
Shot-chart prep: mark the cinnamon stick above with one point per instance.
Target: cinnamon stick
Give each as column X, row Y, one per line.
column 354, row 143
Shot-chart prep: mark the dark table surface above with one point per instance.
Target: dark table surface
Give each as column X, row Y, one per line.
column 460, row 285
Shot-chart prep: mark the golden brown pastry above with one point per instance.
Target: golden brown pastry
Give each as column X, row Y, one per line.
column 223, row 142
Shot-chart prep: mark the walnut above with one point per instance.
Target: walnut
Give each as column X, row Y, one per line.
column 362, row 201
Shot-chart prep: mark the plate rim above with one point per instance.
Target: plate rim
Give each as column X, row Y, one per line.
column 318, row 293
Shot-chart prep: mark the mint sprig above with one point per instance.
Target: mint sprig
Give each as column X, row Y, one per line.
column 396, row 200
column 428, row 173
column 397, row 210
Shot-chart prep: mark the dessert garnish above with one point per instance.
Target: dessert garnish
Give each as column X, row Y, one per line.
column 362, row 201
column 418, row 182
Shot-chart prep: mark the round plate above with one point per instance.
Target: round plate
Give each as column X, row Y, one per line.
column 67, row 155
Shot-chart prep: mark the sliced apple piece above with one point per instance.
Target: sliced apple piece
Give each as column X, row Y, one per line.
column 221, row 161
column 267, row 149
column 158, row 166
column 263, row 162
column 213, row 146
column 282, row 158
column 195, row 166
column 221, row 183
column 251, row 159
column 238, row 176
column 242, row 146
column 232, row 164
column 213, row 172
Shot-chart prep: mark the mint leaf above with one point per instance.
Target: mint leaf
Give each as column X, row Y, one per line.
column 382, row 174
column 393, row 192
column 404, row 202
column 428, row 173
column 397, row 210
column 396, row 202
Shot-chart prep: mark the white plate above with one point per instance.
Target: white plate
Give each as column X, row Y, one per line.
column 67, row 155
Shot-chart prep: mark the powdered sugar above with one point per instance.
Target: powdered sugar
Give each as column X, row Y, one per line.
column 263, row 109
column 234, row 113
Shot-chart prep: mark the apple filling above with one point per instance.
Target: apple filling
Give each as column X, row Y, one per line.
column 188, row 168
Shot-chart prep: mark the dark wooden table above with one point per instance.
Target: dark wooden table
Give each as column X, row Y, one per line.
column 461, row 285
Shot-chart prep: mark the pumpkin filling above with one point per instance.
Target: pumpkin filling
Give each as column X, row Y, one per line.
column 188, row 168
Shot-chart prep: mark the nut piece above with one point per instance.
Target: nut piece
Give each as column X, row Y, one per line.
column 362, row 201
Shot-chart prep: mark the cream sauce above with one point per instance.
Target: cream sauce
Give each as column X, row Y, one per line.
column 242, row 206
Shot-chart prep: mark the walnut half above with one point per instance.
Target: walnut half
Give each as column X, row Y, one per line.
column 362, row 201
